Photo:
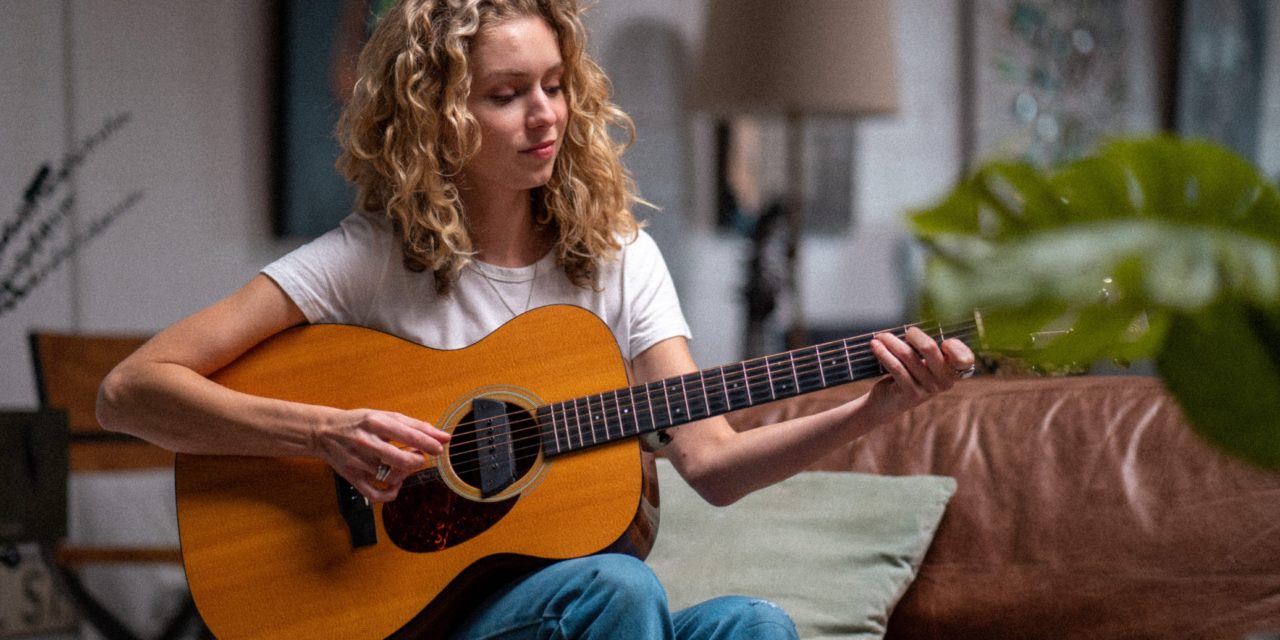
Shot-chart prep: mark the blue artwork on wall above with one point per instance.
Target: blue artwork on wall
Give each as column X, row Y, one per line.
column 1220, row 88
column 319, row 41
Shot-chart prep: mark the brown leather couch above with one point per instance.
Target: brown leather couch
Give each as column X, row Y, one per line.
column 1086, row 508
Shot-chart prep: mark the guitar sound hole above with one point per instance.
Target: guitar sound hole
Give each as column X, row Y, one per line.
column 429, row 515
column 464, row 452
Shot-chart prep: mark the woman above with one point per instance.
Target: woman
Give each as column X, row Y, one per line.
column 478, row 135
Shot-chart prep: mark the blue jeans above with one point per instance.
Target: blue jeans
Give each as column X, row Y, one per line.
column 615, row 596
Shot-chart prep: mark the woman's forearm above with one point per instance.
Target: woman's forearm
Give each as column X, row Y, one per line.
column 181, row 410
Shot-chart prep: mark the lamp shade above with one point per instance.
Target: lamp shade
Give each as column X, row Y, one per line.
column 797, row 56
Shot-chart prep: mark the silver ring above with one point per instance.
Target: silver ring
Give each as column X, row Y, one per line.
column 968, row 371
column 384, row 472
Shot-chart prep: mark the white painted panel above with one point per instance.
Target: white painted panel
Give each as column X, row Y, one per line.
column 194, row 78
column 30, row 135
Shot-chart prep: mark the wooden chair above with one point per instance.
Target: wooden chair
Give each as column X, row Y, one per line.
column 68, row 370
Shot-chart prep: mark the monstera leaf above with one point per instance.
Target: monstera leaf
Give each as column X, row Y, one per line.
column 1154, row 248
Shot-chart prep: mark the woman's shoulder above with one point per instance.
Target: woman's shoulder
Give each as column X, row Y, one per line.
column 367, row 225
column 636, row 242
column 360, row 238
column 360, row 233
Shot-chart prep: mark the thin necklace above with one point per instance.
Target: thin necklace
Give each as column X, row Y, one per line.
column 528, row 299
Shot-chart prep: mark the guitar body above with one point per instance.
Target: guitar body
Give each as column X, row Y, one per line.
column 268, row 553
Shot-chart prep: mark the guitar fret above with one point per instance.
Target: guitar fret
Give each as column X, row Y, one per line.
column 768, row 375
column 760, row 389
column 592, row 428
column 604, row 418
column 779, row 385
column 545, row 418
column 648, row 398
column 684, row 393
column 554, row 428
column 577, row 415
column 702, row 379
column 679, row 415
column 666, row 401
column 662, row 412
column 562, row 432
column 736, row 394
column 833, row 365
column 568, row 425
column 795, row 375
column 718, row 403
column 807, row 360
column 604, row 411
column 592, row 418
column 628, row 410
column 696, row 411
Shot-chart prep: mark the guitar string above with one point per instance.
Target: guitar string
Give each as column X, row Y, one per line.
column 532, row 434
column 804, row 368
column 752, row 376
column 528, row 446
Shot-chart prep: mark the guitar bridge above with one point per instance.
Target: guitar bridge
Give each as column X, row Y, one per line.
column 494, row 453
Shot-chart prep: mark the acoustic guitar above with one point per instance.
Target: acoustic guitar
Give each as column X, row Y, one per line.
column 544, row 465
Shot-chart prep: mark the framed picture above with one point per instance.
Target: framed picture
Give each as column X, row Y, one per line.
column 1221, row 79
column 1045, row 80
column 318, row 43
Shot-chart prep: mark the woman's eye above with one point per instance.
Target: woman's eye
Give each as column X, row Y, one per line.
column 552, row 90
column 503, row 98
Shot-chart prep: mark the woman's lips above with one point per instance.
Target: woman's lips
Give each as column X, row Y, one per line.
column 542, row 151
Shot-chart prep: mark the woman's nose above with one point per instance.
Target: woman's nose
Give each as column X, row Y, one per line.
column 541, row 111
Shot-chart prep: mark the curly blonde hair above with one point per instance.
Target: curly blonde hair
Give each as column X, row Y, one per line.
column 406, row 133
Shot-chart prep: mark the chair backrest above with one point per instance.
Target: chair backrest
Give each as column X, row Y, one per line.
column 69, row 367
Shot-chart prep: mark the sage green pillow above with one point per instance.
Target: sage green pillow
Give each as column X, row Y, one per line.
column 836, row 550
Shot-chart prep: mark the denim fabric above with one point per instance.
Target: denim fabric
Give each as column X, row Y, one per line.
column 615, row 596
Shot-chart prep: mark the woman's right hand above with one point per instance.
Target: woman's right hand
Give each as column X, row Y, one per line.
column 357, row 442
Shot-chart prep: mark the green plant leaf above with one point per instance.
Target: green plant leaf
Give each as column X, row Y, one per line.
column 1218, row 366
column 1150, row 248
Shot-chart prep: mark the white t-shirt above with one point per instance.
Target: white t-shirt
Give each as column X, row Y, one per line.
column 355, row 274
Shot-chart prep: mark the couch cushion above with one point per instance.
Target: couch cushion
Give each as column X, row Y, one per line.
column 836, row 550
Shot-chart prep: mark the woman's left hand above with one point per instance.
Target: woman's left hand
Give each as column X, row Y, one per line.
column 919, row 368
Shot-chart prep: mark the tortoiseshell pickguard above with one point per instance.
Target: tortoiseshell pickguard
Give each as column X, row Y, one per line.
column 429, row 516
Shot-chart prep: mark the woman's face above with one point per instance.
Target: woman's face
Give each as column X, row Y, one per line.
column 517, row 99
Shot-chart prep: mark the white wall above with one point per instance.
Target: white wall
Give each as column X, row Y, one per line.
column 31, row 132
column 194, row 78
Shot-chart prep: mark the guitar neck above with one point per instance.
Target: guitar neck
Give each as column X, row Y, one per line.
column 607, row 417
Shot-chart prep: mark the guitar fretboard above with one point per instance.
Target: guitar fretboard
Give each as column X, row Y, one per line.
column 623, row 413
